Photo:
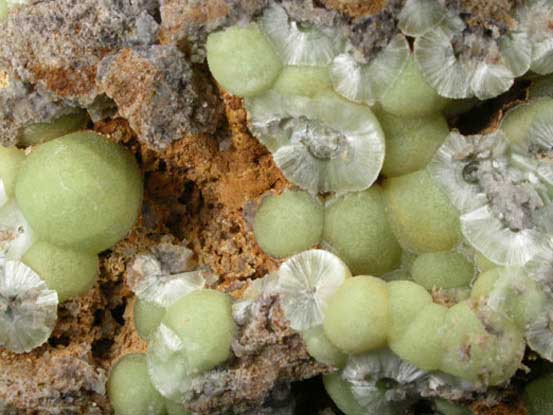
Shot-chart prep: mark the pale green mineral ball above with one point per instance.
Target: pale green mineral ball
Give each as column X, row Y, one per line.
column 411, row 142
column 357, row 229
column 357, row 317
column 442, row 270
column 321, row 349
column 130, row 390
column 70, row 273
column 410, row 95
column 420, row 213
column 517, row 122
column 421, row 343
column 203, row 320
column 288, row 223
column 147, row 317
column 80, row 191
column 406, row 300
column 11, row 159
column 242, row 60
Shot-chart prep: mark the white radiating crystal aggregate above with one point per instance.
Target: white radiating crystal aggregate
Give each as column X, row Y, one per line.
column 534, row 18
column 168, row 364
column 419, row 16
column 298, row 44
column 458, row 64
column 381, row 382
column 367, row 82
column 257, row 288
column 324, row 144
column 305, row 283
column 493, row 184
column 28, row 309
column 150, row 283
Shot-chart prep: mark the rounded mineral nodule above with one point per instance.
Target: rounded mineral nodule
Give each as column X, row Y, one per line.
column 130, row 390
column 147, row 317
column 80, row 191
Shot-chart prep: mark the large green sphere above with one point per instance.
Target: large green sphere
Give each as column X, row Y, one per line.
column 80, row 191
column 420, row 213
column 357, row 229
column 130, row 390
column 70, row 273
column 357, row 317
column 203, row 320
column 442, row 270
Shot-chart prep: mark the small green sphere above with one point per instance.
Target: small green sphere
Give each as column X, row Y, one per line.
column 242, row 60
column 306, row 81
column 356, row 227
column 421, row 343
column 288, row 223
column 130, row 390
column 406, row 300
column 411, row 142
column 341, row 394
column 537, row 396
column 485, row 283
column 42, row 132
column 70, row 273
column 11, row 159
column 442, row 270
column 420, row 213
column 80, row 191
column 410, row 95
column 357, row 317
column 321, row 349
column 203, row 320
column 147, row 317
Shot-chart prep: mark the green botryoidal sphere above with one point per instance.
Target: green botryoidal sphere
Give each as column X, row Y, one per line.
column 306, row 81
column 70, row 273
column 11, row 159
column 410, row 95
column 356, row 319
column 242, row 60
column 80, row 191
column 147, row 317
column 406, row 299
column 288, row 223
column 537, row 396
column 420, row 213
column 411, row 142
column 321, row 349
column 42, row 132
column 475, row 351
column 341, row 394
column 356, row 228
column 442, row 270
column 130, row 390
column 421, row 343
column 203, row 319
